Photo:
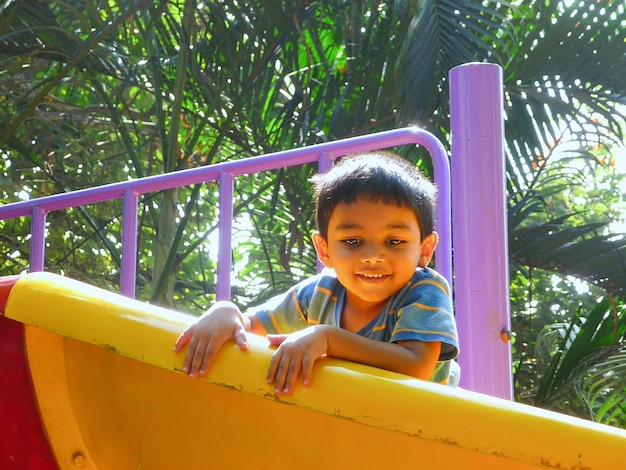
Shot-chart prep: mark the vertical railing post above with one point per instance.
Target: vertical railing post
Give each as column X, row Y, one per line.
column 128, row 276
column 443, row 223
column 225, row 228
column 479, row 224
column 37, row 239
column 325, row 162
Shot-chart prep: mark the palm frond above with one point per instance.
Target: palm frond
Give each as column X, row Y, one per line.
column 554, row 81
column 579, row 251
column 603, row 388
column 573, row 352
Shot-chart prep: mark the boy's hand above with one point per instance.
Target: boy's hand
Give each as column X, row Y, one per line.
column 221, row 323
column 295, row 356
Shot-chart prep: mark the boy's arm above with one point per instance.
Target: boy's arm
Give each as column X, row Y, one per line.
column 414, row 358
column 297, row 353
column 221, row 323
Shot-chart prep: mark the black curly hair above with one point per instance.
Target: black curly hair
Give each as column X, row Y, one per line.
column 376, row 176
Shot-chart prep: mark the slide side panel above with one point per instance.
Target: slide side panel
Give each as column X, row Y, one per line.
column 23, row 443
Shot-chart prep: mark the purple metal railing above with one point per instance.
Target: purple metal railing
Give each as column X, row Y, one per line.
column 129, row 192
column 476, row 202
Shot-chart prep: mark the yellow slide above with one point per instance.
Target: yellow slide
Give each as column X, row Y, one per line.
column 111, row 396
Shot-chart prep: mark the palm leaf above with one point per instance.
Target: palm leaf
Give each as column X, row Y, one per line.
column 603, row 388
column 555, row 79
column 572, row 250
column 578, row 348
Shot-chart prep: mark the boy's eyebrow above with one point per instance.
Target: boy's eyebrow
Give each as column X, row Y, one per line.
column 353, row 225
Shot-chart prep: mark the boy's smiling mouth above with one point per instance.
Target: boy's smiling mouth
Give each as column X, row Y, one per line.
column 372, row 277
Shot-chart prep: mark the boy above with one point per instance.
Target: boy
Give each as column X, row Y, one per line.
column 377, row 303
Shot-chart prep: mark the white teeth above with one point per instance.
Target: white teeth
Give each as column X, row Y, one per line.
column 375, row 276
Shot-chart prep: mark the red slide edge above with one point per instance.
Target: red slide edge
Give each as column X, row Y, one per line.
column 23, row 443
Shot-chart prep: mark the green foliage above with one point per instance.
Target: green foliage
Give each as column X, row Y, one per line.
column 559, row 236
column 579, row 363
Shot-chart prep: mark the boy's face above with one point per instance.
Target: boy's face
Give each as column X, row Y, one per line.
column 374, row 248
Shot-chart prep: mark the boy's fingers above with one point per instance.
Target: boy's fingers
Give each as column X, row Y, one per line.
column 206, row 337
column 293, row 373
column 183, row 339
column 207, row 359
column 307, row 370
column 271, row 372
column 276, row 340
column 194, row 358
column 287, row 373
column 241, row 339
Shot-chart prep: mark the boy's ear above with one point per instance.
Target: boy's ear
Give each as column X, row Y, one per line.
column 321, row 246
column 428, row 249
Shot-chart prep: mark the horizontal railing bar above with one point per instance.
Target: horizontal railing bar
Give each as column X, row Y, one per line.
column 272, row 161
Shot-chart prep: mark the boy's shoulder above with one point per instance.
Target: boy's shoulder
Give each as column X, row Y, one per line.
column 428, row 273
column 429, row 279
column 326, row 276
column 325, row 280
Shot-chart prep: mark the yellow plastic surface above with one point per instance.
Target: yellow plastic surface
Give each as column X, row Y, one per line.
column 112, row 396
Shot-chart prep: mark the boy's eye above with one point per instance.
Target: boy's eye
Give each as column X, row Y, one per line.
column 396, row 242
column 351, row 241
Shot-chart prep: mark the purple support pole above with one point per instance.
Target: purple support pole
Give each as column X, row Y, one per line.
column 324, row 164
column 225, row 228
column 38, row 239
column 128, row 276
column 479, row 227
column 443, row 219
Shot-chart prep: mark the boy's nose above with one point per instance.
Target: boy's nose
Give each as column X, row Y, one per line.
column 372, row 254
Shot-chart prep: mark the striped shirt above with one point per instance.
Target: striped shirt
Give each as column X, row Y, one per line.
column 421, row 310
